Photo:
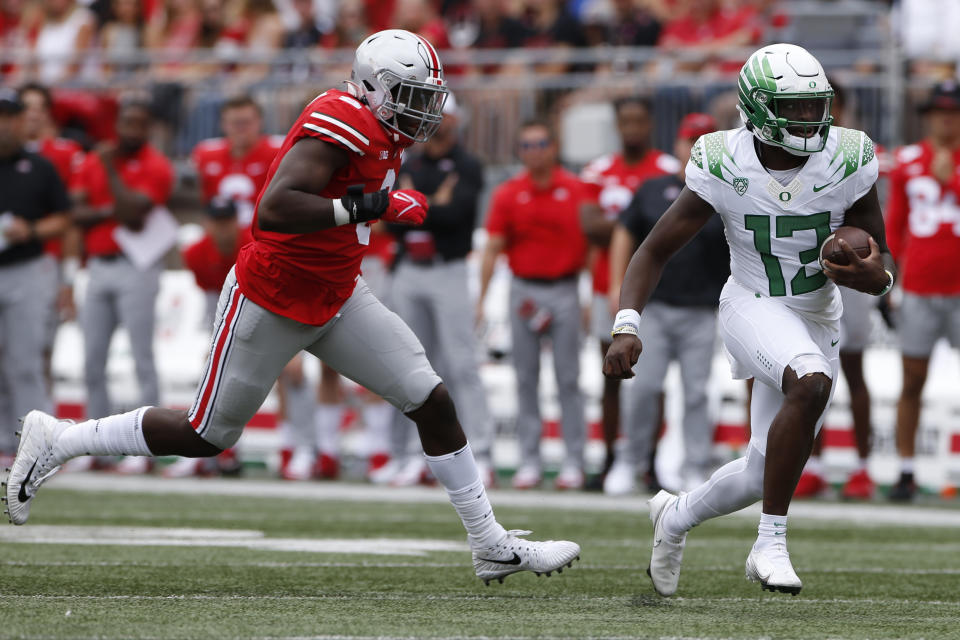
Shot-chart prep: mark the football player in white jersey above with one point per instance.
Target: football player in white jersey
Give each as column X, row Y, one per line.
column 781, row 183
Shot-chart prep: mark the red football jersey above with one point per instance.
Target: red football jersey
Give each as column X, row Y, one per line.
column 923, row 222
column 209, row 266
column 308, row 277
column 239, row 178
column 147, row 171
column 611, row 183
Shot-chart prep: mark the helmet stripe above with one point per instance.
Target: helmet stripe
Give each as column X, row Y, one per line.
column 435, row 59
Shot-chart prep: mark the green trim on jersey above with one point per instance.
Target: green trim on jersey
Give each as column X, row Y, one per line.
column 715, row 144
column 696, row 153
column 868, row 151
column 848, row 155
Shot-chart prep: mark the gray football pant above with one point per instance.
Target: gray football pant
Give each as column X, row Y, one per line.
column 564, row 332
column 433, row 300
column 669, row 333
column 23, row 318
column 364, row 342
column 119, row 294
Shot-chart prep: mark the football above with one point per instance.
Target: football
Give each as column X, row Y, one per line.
column 855, row 237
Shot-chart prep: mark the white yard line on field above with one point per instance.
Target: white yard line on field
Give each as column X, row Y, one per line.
column 863, row 514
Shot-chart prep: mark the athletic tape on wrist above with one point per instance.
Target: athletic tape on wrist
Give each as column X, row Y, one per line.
column 340, row 214
column 627, row 321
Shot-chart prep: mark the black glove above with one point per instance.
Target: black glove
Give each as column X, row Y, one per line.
column 363, row 207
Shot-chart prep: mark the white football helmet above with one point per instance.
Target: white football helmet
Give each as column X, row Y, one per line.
column 399, row 76
column 784, row 97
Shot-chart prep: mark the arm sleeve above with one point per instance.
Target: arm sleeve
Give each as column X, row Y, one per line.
column 869, row 170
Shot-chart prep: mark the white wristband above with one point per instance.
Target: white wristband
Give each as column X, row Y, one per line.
column 627, row 321
column 889, row 286
column 340, row 214
column 69, row 269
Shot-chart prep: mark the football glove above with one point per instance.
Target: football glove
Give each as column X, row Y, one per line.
column 405, row 206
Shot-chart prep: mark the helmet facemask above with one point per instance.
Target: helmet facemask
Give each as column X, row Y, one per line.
column 412, row 108
column 798, row 122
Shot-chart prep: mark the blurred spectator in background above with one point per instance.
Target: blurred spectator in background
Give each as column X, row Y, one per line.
column 611, row 181
column 711, row 27
column 40, row 134
column 64, row 35
column 550, row 25
column 679, row 323
column 34, row 207
column 16, row 18
column 235, row 166
column 350, row 28
column 924, row 238
column 927, row 31
column 430, row 288
column 256, row 26
column 486, row 24
column 634, row 25
column 855, row 328
column 122, row 35
column 172, row 32
column 306, row 34
column 120, row 187
column 534, row 218
column 420, row 17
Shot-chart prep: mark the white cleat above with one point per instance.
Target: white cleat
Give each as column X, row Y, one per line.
column 33, row 463
column 667, row 553
column 771, row 567
column 513, row 554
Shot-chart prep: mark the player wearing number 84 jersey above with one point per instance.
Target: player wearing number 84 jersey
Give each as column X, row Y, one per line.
column 297, row 287
column 781, row 184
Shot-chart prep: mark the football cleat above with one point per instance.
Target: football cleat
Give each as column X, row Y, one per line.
column 513, row 554
column 667, row 554
column 527, row 477
column 33, row 463
column 771, row 567
column 570, row 478
column 809, row 485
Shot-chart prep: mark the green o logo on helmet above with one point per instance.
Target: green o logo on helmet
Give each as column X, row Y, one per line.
column 813, row 84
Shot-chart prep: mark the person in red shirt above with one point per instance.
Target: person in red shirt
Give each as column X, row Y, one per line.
column 611, row 181
column 298, row 286
column 66, row 156
column 235, row 166
column 118, row 187
column 534, row 218
column 711, row 28
column 923, row 232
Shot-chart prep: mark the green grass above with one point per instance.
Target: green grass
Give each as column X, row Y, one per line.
column 859, row 582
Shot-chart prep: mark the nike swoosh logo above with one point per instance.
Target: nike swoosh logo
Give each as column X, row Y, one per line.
column 817, row 189
column 22, row 496
column 779, row 533
column 514, row 560
column 833, row 343
column 656, row 543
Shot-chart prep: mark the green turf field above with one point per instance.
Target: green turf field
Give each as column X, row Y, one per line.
column 868, row 581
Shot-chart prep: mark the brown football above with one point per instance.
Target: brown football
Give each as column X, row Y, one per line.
column 855, row 237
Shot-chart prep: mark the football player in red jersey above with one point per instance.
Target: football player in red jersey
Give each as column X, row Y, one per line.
column 612, row 180
column 298, row 286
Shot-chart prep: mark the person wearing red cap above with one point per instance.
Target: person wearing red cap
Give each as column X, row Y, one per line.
column 611, row 181
column 679, row 323
column 924, row 239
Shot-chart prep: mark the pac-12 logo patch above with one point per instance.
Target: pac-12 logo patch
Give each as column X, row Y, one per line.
column 740, row 185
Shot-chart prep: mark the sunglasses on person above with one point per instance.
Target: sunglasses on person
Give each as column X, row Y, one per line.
column 528, row 145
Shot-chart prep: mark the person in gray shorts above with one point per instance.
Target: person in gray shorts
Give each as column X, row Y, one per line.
column 34, row 206
column 925, row 240
column 679, row 324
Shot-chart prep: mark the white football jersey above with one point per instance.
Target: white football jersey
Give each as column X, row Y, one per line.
column 775, row 231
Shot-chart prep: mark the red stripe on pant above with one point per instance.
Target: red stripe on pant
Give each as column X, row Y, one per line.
column 217, row 361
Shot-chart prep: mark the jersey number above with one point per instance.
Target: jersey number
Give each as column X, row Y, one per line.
column 802, row 282
column 363, row 230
